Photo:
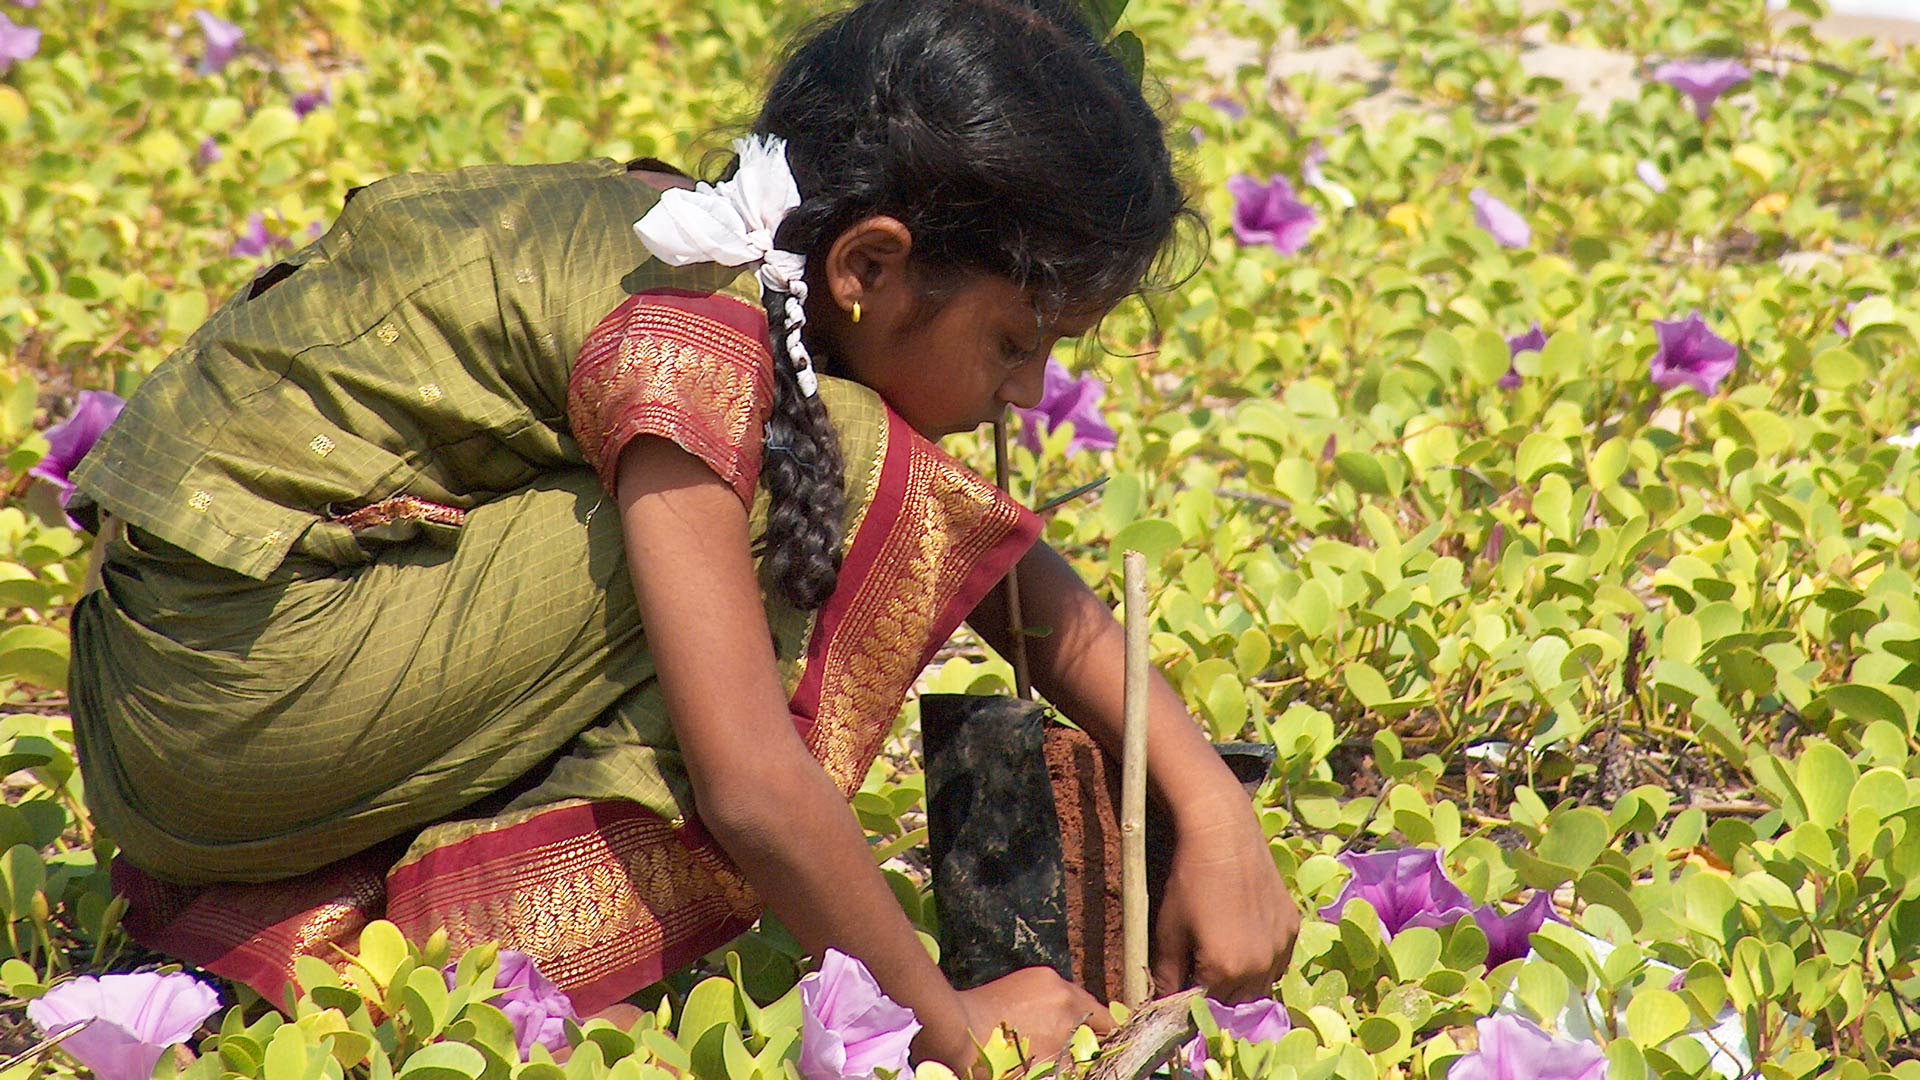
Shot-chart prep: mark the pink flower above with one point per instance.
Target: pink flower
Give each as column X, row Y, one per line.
column 1691, row 354
column 1507, row 227
column 848, row 1028
column 538, row 1009
column 1402, row 885
column 1067, row 400
column 1702, row 80
column 308, row 100
column 1253, row 1021
column 256, row 240
column 1509, row 936
column 1533, row 340
column 1269, row 214
column 1514, row 1049
column 69, row 440
column 208, row 153
column 223, row 42
column 1409, row 887
column 130, row 1019
column 1649, row 174
column 17, row 43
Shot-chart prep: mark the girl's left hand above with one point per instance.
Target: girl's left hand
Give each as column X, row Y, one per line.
column 1226, row 922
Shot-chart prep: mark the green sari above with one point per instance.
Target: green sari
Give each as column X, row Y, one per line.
column 429, row 698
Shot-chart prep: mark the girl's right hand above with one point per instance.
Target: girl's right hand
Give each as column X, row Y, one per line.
column 1039, row 1005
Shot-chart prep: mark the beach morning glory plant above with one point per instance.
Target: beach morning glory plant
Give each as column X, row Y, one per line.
column 1408, row 887
column 1269, row 214
column 130, row 1019
column 223, row 42
column 1533, row 340
column 1251, row 1021
column 1068, row 400
column 1702, row 80
column 538, row 1009
column 1691, row 354
column 17, row 43
column 69, row 440
column 1512, row 1048
column 848, row 1027
column 1501, row 221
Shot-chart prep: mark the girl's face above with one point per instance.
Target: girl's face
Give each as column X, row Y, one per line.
column 984, row 349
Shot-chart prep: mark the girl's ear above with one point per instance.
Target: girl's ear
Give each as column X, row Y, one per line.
column 867, row 265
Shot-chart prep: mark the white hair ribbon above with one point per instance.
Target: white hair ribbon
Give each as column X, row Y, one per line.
column 732, row 223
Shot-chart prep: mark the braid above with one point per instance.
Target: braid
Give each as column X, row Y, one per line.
column 803, row 474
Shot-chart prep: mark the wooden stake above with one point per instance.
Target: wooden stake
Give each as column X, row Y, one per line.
column 1016, row 622
column 1136, row 977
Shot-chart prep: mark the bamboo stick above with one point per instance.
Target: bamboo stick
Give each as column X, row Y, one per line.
column 1016, row 621
column 1136, row 978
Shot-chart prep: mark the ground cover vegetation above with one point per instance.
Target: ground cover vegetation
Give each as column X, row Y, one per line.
column 1533, row 471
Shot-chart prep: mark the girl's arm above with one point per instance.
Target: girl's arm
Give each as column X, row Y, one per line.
column 1227, row 921
column 759, row 791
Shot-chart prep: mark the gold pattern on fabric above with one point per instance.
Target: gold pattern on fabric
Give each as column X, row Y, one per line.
column 656, row 368
column 587, row 904
column 949, row 518
column 200, row 500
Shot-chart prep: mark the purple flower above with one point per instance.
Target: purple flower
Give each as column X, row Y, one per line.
column 134, row 1019
column 1067, row 400
column 1496, row 542
column 538, row 1009
column 223, row 42
column 1310, row 172
column 1508, row 935
column 1402, row 886
column 848, row 1028
column 1691, row 354
column 1533, row 340
column 1840, row 324
column 1512, row 1048
column 256, row 240
column 1269, row 214
column 1253, row 1021
column 208, row 153
column 1649, row 174
column 17, row 43
column 1227, row 107
column 1702, row 80
column 1508, row 228
column 69, row 440
column 308, row 100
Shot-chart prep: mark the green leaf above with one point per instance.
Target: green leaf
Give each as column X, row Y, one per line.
column 1574, row 838
column 1656, row 1015
column 1825, row 777
column 444, row 1061
column 1362, row 472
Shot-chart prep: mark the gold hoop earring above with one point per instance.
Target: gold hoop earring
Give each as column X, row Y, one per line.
column 856, row 311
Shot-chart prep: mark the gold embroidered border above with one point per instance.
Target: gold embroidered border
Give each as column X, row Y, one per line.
column 949, row 518
column 585, row 905
column 658, row 369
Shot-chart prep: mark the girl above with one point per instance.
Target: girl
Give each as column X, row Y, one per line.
column 502, row 567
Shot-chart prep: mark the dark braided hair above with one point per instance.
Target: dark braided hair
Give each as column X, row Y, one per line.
column 1011, row 144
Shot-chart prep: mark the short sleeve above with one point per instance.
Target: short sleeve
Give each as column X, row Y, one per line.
column 690, row 367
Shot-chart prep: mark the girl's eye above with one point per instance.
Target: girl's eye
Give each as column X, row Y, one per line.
column 1013, row 353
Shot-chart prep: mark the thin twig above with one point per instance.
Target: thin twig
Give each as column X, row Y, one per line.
column 1133, row 788
column 1016, row 623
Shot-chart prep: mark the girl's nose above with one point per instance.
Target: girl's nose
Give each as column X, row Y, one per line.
column 1026, row 384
